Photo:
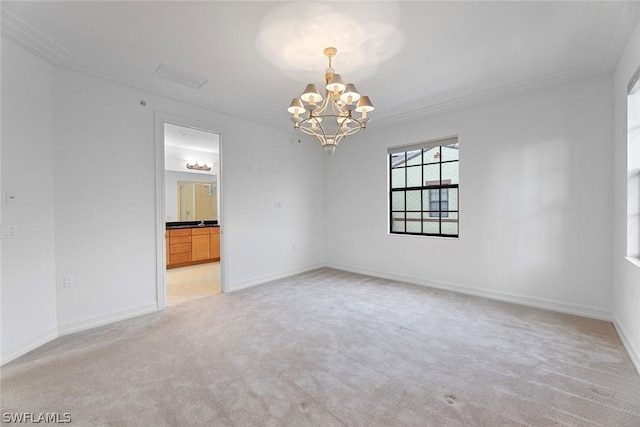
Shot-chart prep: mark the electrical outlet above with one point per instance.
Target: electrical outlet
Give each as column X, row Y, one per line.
column 68, row 281
column 9, row 231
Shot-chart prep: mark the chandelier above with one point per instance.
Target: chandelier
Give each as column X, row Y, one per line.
column 330, row 118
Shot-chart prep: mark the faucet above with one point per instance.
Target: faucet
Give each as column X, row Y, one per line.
column 201, row 223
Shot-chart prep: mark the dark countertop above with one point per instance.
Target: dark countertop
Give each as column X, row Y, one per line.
column 190, row 224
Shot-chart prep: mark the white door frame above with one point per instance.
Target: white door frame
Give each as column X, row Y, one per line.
column 161, row 211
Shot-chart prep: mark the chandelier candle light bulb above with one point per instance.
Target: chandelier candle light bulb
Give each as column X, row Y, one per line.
column 339, row 102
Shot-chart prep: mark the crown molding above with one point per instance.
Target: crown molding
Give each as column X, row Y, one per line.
column 18, row 31
column 26, row 36
column 114, row 78
column 613, row 38
column 484, row 96
column 602, row 24
column 594, row 48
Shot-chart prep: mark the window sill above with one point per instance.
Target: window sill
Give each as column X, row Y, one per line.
column 633, row 260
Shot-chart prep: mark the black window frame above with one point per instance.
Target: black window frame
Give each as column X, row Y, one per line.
column 442, row 215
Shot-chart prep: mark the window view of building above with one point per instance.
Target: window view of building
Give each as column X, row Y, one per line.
column 423, row 193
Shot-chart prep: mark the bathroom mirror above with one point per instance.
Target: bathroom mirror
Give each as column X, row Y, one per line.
column 197, row 201
column 191, row 197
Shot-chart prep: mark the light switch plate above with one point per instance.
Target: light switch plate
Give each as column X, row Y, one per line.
column 68, row 281
column 10, row 197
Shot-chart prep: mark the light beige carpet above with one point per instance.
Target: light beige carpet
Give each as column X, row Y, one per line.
column 192, row 282
column 330, row 348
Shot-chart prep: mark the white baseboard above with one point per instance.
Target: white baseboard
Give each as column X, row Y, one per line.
column 546, row 304
column 633, row 355
column 104, row 319
column 271, row 277
column 27, row 345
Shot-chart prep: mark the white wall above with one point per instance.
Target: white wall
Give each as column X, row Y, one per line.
column 535, row 201
column 626, row 278
column 633, row 170
column 105, row 198
column 28, row 261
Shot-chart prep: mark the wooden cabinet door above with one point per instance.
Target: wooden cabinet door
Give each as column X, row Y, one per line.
column 199, row 247
column 214, row 249
column 180, row 258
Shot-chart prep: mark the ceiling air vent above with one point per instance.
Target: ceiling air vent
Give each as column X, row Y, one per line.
column 180, row 76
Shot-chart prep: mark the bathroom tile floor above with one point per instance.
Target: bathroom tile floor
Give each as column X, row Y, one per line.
column 192, row 282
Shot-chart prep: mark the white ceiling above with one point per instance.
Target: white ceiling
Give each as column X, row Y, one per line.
column 191, row 139
column 446, row 55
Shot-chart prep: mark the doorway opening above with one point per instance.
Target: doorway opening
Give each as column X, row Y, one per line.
column 191, row 212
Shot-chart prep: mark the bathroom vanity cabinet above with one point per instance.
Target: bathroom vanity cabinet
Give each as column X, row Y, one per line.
column 193, row 245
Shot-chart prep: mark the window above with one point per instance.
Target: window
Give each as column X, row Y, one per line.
column 423, row 193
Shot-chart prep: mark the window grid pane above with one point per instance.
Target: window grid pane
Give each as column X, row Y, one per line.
column 450, row 152
column 398, row 222
column 432, row 155
column 414, row 176
column 414, row 158
column 413, row 222
column 398, row 178
column 397, row 201
column 413, row 200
